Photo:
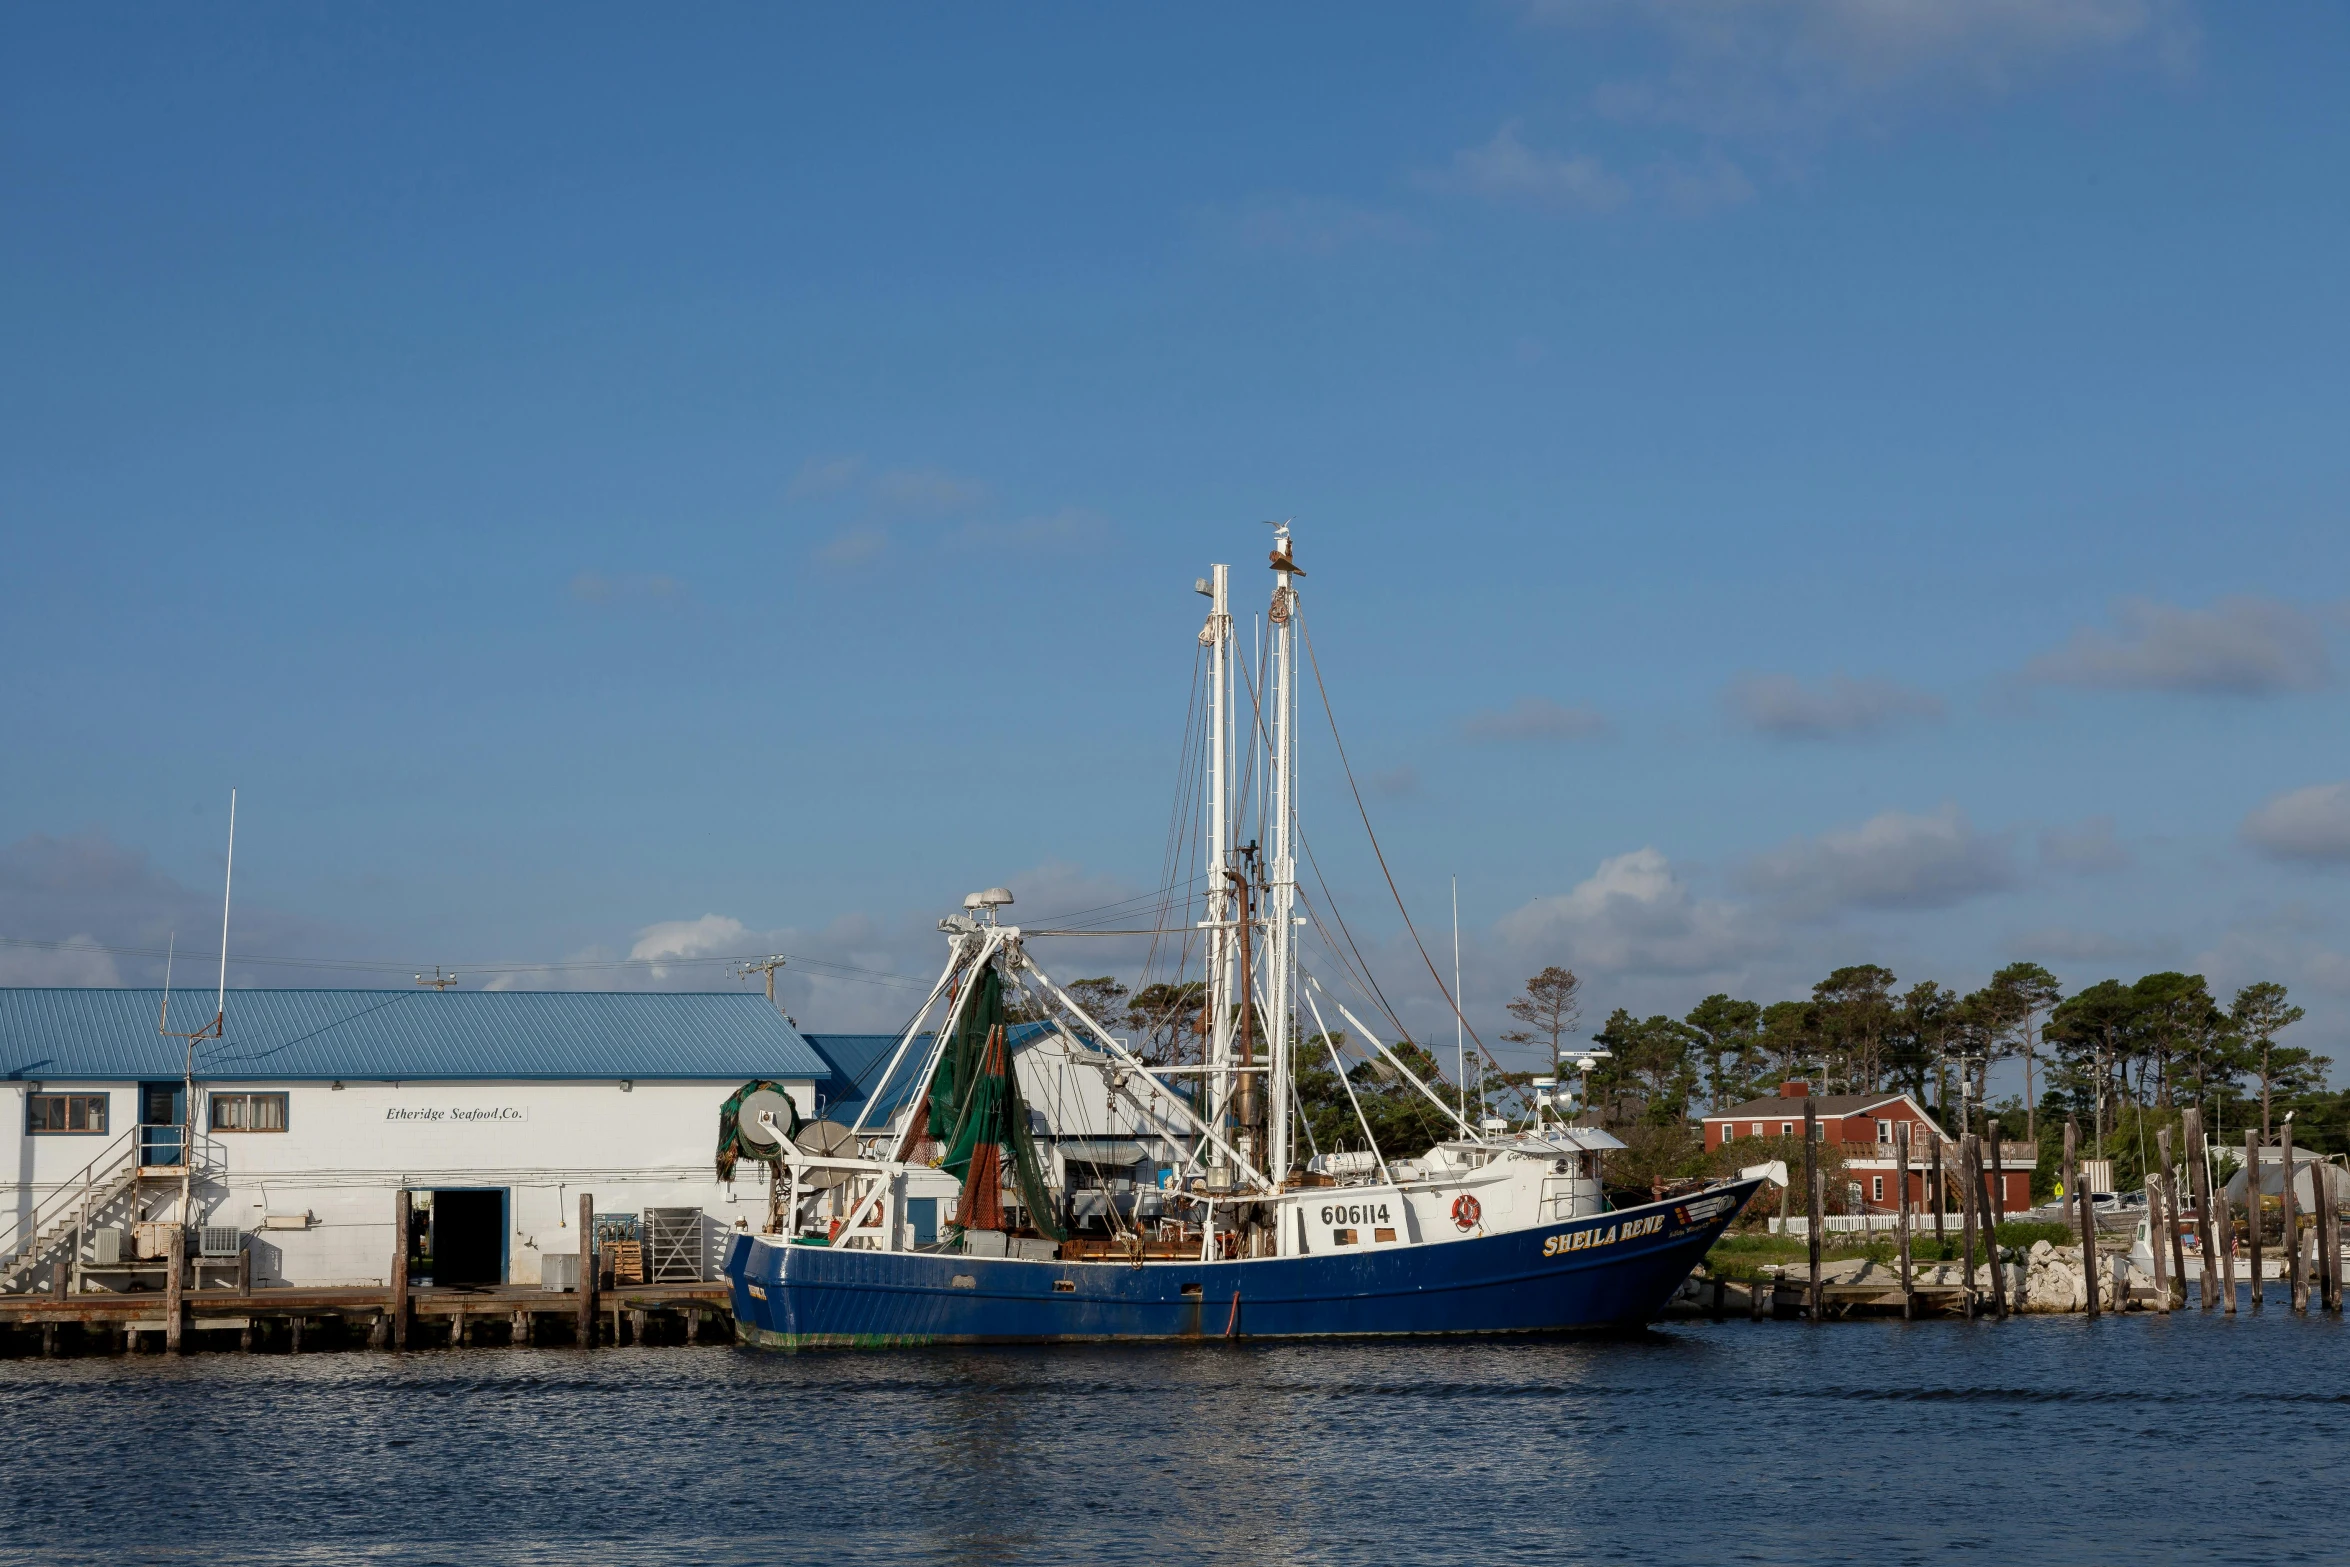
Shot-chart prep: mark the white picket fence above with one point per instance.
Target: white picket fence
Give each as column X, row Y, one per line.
column 1848, row 1223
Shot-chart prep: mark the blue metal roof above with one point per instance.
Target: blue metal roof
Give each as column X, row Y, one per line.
column 419, row 1035
column 857, row 1060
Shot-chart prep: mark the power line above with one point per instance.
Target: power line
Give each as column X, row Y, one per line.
column 824, row 967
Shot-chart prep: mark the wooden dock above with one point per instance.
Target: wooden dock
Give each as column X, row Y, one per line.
column 519, row 1315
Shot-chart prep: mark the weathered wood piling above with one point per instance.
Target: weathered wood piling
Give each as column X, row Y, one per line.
column 1815, row 1183
column 2294, row 1293
column 1994, row 1211
column 1909, row 1293
column 1969, row 1197
column 2084, row 1210
column 588, row 1278
column 2254, row 1218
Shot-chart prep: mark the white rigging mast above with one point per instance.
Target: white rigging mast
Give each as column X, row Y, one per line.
column 1223, row 906
column 1281, row 861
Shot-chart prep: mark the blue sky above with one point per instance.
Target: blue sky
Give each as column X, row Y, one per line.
column 1782, row 485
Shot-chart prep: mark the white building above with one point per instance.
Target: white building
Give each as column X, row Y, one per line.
column 316, row 1106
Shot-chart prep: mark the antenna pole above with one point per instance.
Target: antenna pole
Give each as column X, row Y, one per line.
column 163, row 1019
column 220, row 1002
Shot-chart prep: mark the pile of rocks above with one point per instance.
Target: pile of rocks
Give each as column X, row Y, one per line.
column 2052, row 1279
column 2046, row 1278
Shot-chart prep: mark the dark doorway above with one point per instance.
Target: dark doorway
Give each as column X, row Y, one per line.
column 469, row 1237
column 163, row 1108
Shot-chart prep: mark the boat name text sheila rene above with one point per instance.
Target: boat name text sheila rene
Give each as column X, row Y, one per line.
column 1584, row 1240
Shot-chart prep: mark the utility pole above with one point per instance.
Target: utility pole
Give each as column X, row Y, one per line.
column 436, row 979
column 766, row 966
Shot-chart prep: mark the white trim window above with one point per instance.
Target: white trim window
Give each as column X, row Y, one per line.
column 248, row 1112
column 72, row 1115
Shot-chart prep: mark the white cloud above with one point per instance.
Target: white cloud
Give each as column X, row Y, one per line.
column 69, row 962
column 1780, row 67
column 85, row 890
column 2311, row 823
column 1537, row 718
column 713, row 935
column 1781, row 705
column 2084, row 847
column 1634, row 915
column 1894, row 860
column 2241, row 646
column 1506, row 169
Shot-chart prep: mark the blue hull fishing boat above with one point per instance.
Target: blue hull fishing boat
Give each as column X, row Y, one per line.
column 1019, row 1173
column 1611, row 1270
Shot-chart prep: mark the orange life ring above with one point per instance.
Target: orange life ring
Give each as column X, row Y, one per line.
column 1466, row 1211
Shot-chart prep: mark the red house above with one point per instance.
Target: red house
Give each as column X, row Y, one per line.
column 1865, row 1126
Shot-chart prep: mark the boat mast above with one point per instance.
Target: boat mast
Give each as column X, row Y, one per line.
column 1281, row 863
column 1222, row 947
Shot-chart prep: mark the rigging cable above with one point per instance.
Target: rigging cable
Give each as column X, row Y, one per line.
column 1363, row 812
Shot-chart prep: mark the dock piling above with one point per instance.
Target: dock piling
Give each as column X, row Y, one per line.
column 2294, row 1292
column 2084, row 1210
column 2254, row 1219
column 1909, row 1295
column 1970, row 1192
column 1994, row 1210
column 1815, row 1184
column 2327, row 1275
column 587, row 1271
column 2170, row 1195
column 175, row 1251
column 403, row 1219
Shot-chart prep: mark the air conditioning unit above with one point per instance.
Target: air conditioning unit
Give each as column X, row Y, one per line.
column 110, row 1248
column 219, row 1240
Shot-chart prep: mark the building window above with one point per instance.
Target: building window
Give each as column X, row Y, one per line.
column 69, row 1113
column 1885, row 1132
column 1876, row 1188
column 248, row 1112
column 1758, row 1128
column 1786, row 1128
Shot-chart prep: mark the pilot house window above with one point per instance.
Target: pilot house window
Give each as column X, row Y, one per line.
column 48, row 1113
column 248, row 1112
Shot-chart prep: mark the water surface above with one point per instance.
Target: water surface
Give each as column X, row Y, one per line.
column 2045, row 1440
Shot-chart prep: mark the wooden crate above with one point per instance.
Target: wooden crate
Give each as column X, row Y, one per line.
column 623, row 1262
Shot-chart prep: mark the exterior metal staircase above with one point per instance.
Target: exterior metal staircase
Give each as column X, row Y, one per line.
column 54, row 1231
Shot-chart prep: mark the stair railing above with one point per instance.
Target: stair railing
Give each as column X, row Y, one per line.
column 25, row 1233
